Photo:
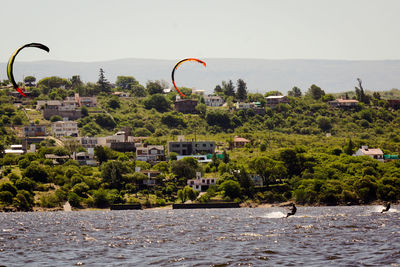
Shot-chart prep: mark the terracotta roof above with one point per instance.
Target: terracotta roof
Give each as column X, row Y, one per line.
column 347, row 101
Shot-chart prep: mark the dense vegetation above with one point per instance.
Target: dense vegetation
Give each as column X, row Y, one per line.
column 290, row 147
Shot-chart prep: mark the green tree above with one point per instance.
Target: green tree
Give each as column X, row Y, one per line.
column 158, row 102
column 228, row 88
column 126, row 82
column 105, row 121
column 294, row 160
column 114, row 102
column 315, row 92
column 112, row 173
column 219, row 118
column 101, row 154
column 142, row 132
column 36, row 172
column 9, row 187
column 55, row 118
column 100, row 198
column 218, row 90
column 349, row 148
column 295, row 92
column 46, row 84
column 225, row 157
column 270, row 170
column 191, row 194
column 324, row 123
column 23, row 201
column 182, row 195
column 76, row 81
column 154, row 87
column 103, row 84
column 246, row 183
column 360, row 93
column 201, row 109
column 74, row 200
column 84, row 111
column 29, row 81
column 241, row 93
column 138, row 90
column 173, row 119
column 230, row 189
column 183, row 169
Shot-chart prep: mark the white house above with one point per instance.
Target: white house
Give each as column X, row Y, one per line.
column 201, row 184
column 213, row 101
column 150, row 153
column 64, row 128
column 374, row 153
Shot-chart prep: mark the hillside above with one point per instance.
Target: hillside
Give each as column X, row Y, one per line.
column 297, row 151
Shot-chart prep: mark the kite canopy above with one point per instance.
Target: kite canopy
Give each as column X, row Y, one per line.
column 176, row 66
column 11, row 63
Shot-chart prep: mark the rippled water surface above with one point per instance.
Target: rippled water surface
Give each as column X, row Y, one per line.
column 315, row 236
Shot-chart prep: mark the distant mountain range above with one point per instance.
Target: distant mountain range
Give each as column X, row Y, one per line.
column 261, row 75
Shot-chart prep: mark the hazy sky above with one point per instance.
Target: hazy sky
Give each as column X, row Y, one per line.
column 95, row 30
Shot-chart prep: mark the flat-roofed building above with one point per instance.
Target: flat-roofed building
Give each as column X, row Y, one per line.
column 191, row 147
column 64, row 128
column 34, row 130
column 275, row 100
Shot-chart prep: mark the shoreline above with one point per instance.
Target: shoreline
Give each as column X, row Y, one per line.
column 169, row 207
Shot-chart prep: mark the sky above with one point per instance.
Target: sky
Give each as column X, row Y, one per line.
column 98, row 30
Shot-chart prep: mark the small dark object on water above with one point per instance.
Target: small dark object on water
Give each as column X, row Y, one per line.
column 217, row 205
column 387, row 207
column 126, row 207
column 292, row 211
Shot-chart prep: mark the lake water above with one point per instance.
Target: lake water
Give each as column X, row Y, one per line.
column 315, row 236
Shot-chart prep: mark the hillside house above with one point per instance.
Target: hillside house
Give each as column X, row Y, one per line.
column 191, row 147
column 255, row 106
column 64, row 128
column 274, row 100
column 186, row 106
column 150, row 153
column 34, row 130
column 86, row 158
column 239, row 142
column 152, row 176
column 213, row 101
column 201, row 184
column 375, row 153
column 343, row 103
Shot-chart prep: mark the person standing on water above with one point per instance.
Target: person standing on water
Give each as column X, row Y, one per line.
column 387, row 207
column 292, row 211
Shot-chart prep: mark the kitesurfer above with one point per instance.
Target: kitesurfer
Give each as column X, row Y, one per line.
column 292, row 211
column 11, row 63
column 387, row 207
column 176, row 66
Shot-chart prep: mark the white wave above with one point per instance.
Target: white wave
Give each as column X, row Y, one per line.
column 275, row 214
